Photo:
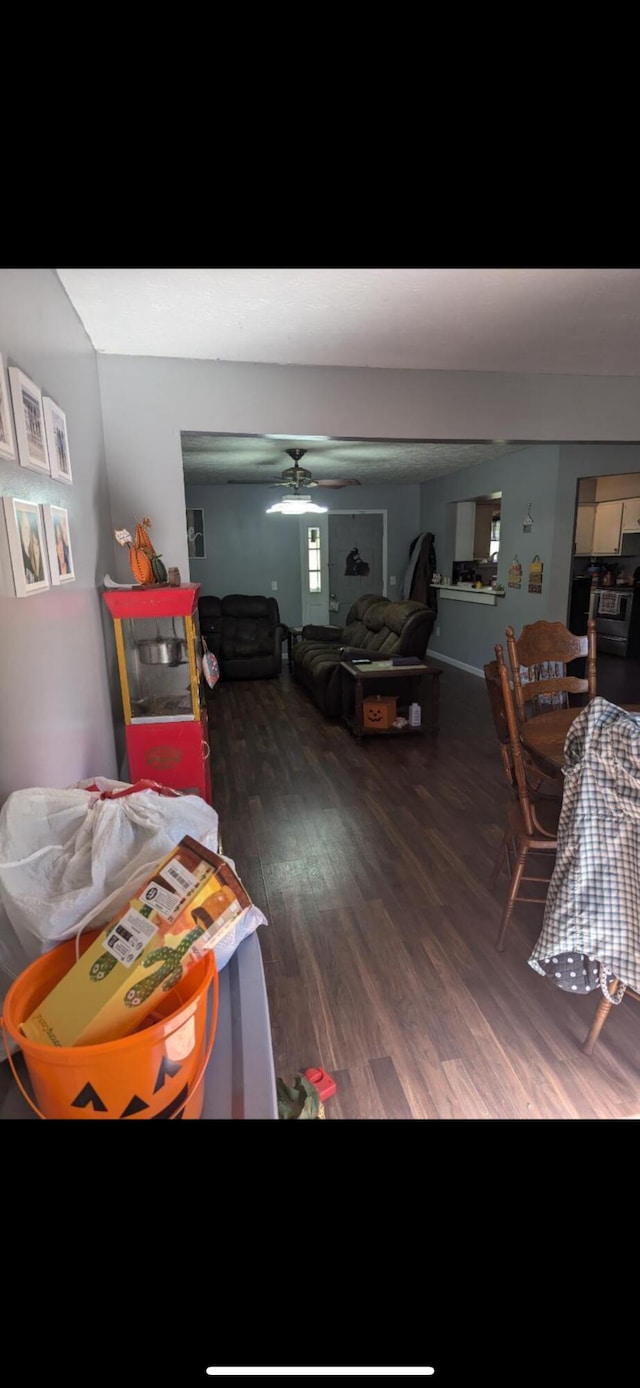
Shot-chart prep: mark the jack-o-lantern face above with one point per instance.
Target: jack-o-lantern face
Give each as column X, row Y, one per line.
column 374, row 715
column 88, row 1097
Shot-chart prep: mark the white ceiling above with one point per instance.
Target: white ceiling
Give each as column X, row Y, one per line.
column 575, row 321
column 557, row 321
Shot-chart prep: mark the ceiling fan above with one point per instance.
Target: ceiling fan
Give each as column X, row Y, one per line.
column 296, row 477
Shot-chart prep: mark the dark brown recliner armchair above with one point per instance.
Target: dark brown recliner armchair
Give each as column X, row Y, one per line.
column 245, row 634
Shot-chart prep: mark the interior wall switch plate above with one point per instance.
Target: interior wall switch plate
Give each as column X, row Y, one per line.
column 274, row 586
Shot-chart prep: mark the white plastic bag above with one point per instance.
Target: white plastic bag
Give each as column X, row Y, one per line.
column 70, row 858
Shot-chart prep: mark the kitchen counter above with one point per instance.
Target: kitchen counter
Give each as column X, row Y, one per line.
column 467, row 592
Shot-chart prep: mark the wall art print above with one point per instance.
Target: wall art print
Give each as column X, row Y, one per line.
column 55, row 425
column 56, row 525
column 26, row 546
column 195, row 533
column 7, row 440
column 29, row 421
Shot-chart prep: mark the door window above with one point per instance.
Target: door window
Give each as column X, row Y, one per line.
column 313, row 559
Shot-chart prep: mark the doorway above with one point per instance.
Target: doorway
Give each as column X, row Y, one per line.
column 343, row 554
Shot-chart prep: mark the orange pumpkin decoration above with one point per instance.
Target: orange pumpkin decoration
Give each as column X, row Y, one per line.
column 140, row 566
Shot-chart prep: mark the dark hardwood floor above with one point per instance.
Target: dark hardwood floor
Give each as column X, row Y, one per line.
column 371, row 865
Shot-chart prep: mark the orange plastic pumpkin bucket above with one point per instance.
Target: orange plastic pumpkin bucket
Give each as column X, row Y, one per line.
column 156, row 1072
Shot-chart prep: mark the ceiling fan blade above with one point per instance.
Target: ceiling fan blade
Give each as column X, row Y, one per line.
column 340, row 482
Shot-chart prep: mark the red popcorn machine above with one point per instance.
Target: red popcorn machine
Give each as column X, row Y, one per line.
column 157, row 637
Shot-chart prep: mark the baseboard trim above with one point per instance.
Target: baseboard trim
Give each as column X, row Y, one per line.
column 459, row 664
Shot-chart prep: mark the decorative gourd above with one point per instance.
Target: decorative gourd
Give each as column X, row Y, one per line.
column 140, row 566
column 159, row 571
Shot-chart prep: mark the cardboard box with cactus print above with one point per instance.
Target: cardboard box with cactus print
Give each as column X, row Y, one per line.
column 184, row 908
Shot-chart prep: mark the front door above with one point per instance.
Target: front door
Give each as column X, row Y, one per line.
column 356, row 564
column 314, row 567
column 341, row 556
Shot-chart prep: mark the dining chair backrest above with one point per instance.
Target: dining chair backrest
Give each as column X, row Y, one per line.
column 515, row 745
column 499, row 715
column 542, row 651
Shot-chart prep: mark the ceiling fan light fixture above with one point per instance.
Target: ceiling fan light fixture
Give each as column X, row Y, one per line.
column 294, row 506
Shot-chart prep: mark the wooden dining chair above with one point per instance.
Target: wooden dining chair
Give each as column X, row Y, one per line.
column 538, row 658
column 531, row 825
column 539, row 782
column 498, row 713
column 602, row 1012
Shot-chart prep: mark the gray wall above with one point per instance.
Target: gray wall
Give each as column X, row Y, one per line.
column 147, row 401
column 55, row 702
column 246, row 548
column 546, row 476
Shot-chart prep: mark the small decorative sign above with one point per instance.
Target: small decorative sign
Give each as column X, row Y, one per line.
column 515, row 573
column 535, row 574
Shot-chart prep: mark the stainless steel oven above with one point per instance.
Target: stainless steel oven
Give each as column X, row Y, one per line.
column 612, row 610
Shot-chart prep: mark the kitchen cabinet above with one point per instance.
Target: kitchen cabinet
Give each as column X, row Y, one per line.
column 465, row 530
column 584, row 529
column 631, row 515
column 607, row 527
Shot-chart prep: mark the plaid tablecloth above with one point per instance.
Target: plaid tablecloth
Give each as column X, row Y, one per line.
column 591, row 926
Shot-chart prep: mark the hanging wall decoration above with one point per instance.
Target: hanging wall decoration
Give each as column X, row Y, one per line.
column 535, row 574
column 356, row 566
column 515, row 573
column 195, row 533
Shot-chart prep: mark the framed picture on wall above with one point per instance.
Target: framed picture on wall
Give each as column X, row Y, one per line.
column 7, row 441
column 195, row 534
column 26, row 546
column 56, row 525
column 55, row 426
column 29, row 421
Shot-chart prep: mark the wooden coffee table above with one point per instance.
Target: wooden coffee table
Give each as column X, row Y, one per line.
column 373, row 677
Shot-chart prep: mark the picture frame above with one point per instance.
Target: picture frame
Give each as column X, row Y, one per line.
column 7, row 438
column 55, row 426
column 26, row 546
column 56, row 527
column 29, row 422
column 195, row 533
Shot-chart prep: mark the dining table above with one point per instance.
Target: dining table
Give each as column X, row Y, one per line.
column 544, row 736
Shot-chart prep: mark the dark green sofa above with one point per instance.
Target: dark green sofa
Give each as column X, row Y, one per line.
column 375, row 626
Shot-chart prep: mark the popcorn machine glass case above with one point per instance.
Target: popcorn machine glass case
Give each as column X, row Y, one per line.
column 157, row 638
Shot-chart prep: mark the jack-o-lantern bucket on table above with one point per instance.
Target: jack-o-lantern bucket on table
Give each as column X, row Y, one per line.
column 156, row 1072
